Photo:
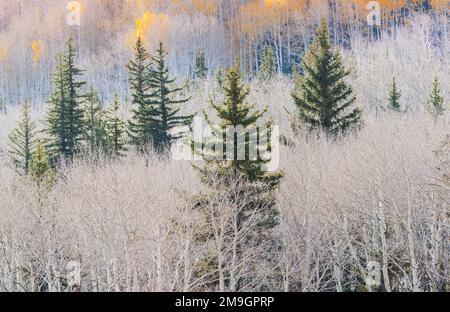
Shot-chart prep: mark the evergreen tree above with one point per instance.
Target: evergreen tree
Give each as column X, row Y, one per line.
column 258, row 187
column 95, row 134
column 267, row 67
column 56, row 116
column 75, row 115
column 40, row 170
column 65, row 117
column 436, row 101
column 115, row 129
column 166, row 104
column 140, row 126
column 201, row 71
column 394, row 97
column 235, row 112
column 325, row 97
column 23, row 142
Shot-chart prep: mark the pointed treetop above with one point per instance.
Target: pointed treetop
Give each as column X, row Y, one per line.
column 436, row 101
column 323, row 97
column 394, row 97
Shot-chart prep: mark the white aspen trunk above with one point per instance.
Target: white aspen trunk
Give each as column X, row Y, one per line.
column 187, row 253
column 159, row 268
column 412, row 254
column 94, row 281
column 384, row 248
column 234, row 258
column 286, row 278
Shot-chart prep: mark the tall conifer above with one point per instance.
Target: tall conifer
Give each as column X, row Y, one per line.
column 257, row 187
column 140, row 126
column 166, row 101
column 95, row 134
column 325, row 100
column 23, row 142
column 65, row 123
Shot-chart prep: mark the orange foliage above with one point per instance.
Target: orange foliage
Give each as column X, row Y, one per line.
column 37, row 48
column 440, row 4
column 152, row 25
column 206, row 7
column 3, row 53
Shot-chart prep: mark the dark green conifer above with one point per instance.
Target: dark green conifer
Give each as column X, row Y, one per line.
column 166, row 102
column 65, row 122
column 115, row 129
column 325, row 100
column 394, row 97
column 436, row 101
column 140, row 127
column 95, row 133
column 239, row 123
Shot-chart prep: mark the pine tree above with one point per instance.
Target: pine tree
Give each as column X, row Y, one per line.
column 267, row 67
column 325, row 97
column 394, row 97
column 115, row 129
column 23, row 142
column 257, row 187
column 201, row 71
column 166, row 104
column 65, row 117
column 140, row 126
column 95, row 134
column 436, row 101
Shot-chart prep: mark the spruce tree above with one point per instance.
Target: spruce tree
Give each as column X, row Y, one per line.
column 140, row 126
column 325, row 99
column 65, row 125
column 75, row 98
column 166, row 102
column 115, row 129
column 257, row 187
column 23, row 142
column 394, row 97
column 201, row 70
column 56, row 116
column 235, row 112
column 267, row 67
column 40, row 170
column 436, row 101
column 95, row 134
